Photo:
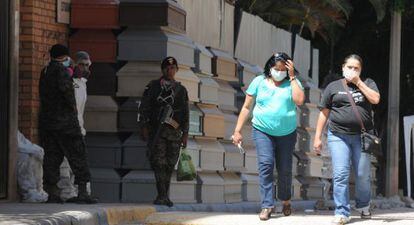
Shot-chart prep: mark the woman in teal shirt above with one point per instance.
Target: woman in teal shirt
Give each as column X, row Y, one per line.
column 277, row 92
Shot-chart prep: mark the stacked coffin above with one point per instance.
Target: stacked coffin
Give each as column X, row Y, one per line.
column 145, row 42
column 93, row 23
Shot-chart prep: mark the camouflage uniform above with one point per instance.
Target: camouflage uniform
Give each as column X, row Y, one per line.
column 60, row 133
column 164, row 151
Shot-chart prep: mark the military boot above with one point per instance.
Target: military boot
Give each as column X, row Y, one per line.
column 83, row 196
column 53, row 192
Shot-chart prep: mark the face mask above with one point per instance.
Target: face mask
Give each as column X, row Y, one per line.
column 66, row 63
column 278, row 75
column 349, row 74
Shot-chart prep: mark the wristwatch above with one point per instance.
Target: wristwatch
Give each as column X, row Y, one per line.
column 292, row 78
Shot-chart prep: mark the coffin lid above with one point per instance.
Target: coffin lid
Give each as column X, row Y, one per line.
column 229, row 147
column 249, row 178
column 94, row 2
column 295, row 181
column 93, row 35
column 247, row 66
column 258, row 69
column 139, row 176
column 192, row 145
column 203, row 50
column 211, row 179
column 155, row 35
column 209, row 145
column 231, row 178
column 171, row 2
column 134, row 141
column 186, row 74
column 101, row 103
column 225, row 86
column 103, row 140
column 195, row 109
column 223, row 55
column 210, row 110
column 104, row 174
column 208, row 81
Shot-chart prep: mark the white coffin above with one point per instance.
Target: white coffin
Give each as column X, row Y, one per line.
column 182, row 191
column 305, row 137
column 223, row 65
column 230, row 121
column 249, row 72
column 233, row 159
column 139, row 186
column 250, row 160
column 211, row 187
column 134, row 76
column 211, row 154
column 196, row 121
column 310, row 165
column 250, row 187
column 307, row 115
column 203, row 59
column 312, row 188
column 190, row 81
column 296, row 189
column 101, row 114
column 232, row 187
column 155, row 45
column 209, row 90
column 227, row 96
column 213, row 121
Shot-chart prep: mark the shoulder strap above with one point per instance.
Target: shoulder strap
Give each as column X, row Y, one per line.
column 351, row 100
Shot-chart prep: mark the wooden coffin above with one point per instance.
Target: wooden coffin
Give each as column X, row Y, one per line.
column 312, row 188
column 135, row 76
column 190, row 81
column 227, row 99
column 196, row 121
column 250, row 187
column 230, row 121
column 134, row 153
column 155, row 45
column 100, row 44
column 307, row 115
column 311, row 166
column 128, row 115
column 211, row 154
column 182, row 191
column 232, row 187
column 213, row 121
column 101, row 114
column 105, row 185
column 102, row 80
column 305, row 137
column 233, row 158
column 104, row 150
column 140, row 13
column 223, row 65
column 139, row 186
column 209, row 93
column 210, row 188
column 202, row 59
column 96, row 14
column 248, row 72
column 240, row 96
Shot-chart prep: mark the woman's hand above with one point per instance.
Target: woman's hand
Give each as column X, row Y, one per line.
column 291, row 68
column 237, row 138
column 317, row 145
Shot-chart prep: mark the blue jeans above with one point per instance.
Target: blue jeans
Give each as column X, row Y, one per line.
column 344, row 149
column 270, row 149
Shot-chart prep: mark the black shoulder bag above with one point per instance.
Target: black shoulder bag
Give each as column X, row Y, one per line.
column 370, row 142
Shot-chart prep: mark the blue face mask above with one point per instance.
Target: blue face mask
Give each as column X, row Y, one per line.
column 66, row 63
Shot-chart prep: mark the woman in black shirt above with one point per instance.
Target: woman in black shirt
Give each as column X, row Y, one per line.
column 344, row 136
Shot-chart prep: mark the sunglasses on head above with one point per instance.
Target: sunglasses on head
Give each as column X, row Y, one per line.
column 282, row 57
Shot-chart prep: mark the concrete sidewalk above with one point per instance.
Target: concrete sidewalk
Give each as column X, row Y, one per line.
column 194, row 214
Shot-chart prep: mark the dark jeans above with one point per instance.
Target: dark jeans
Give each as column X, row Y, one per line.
column 271, row 149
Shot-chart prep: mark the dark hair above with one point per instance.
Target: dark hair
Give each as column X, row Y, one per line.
column 354, row 56
column 271, row 62
column 58, row 50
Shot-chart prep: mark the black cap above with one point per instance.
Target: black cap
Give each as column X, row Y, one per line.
column 58, row 50
column 169, row 61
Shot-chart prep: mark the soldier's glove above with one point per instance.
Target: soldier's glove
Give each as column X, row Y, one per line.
column 144, row 133
column 184, row 139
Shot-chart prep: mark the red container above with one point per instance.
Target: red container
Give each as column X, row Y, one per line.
column 100, row 44
column 95, row 14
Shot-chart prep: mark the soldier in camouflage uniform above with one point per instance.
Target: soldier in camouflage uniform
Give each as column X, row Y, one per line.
column 59, row 130
column 164, row 117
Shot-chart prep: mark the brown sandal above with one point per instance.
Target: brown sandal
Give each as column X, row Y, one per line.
column 287, row 210
column 265, row 213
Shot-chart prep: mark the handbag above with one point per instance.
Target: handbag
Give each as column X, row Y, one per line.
column 370, row 142
column 185, row 169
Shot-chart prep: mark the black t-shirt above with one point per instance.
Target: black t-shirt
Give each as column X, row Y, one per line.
column 342, row 118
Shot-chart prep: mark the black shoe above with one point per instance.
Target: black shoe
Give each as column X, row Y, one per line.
column 163, row 201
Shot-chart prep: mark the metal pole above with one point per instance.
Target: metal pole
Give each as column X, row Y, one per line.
column 393, row 125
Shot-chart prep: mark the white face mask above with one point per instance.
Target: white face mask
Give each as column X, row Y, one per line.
column 349, row 74
column 278, row 75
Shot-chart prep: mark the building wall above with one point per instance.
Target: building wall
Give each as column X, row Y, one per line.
column 38, row 32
